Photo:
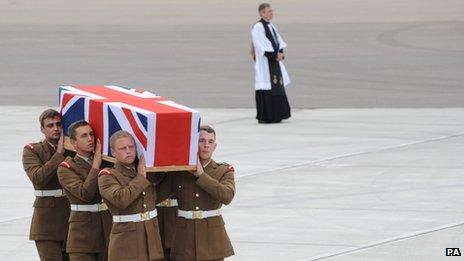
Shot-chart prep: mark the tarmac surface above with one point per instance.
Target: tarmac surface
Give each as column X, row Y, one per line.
column 341, row 53
column 370, row 165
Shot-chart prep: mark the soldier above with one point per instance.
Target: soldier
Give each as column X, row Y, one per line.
column 90, row 220
column 131, row 200
column 167, row 214
column 200, row 233
column 49, row 224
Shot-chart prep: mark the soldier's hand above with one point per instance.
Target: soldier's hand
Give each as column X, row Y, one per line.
column 97, row 156
column 280, row 56
column 199, row 168
column 141, row 169
column 60, row 145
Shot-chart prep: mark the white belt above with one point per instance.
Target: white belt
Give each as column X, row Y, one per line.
column 167, row 203
column 89, row 208
column 49, row 193
column 198, row 214
column 135, row 217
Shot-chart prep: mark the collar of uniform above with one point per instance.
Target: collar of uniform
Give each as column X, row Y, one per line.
column 211, row 164
column 48, row 147
column 85, row 159
column 125, row 170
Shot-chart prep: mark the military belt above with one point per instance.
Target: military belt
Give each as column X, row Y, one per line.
column 198, row 214
column 135, row 217
column 89, row 208
column 50, row 193
column 167, row 203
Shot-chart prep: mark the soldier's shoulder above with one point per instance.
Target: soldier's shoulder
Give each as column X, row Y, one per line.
column 105, row 172
column 226, row 165
column 33, row 146
column 67, row 163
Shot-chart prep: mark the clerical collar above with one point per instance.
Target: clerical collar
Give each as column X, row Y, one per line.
column 207, row 164
column 88, row 160
column 264, row 21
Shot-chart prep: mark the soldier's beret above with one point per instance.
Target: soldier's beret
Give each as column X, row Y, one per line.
column 65, row 164
column 104, row 172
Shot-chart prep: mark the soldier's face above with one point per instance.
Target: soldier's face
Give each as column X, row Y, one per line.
column 267, row 14
column 206, row 145
column 52, row 128
column 124, row 150
column 85, row 139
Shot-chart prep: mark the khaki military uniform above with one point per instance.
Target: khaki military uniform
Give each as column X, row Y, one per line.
column 49, row 224
column 203, row 238
column 167, row 210
column 167, row 215
column 127, row 193
column 89, row 231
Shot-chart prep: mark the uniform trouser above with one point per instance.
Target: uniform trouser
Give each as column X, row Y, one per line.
column 167, row 253
column 50, row 250
column 86, row 256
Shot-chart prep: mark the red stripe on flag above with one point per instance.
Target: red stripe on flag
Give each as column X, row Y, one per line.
column 140, row 136
column 173, row 138
column 96, row 118
column 66, row 98
column 148, row 104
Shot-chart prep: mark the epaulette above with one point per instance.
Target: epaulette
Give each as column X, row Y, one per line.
column 229, row 167
column 105, row 171
column 65, row 165
column 29, row 146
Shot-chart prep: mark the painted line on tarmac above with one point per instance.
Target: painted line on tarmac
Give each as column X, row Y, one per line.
column 384, row 242
column 316, row 162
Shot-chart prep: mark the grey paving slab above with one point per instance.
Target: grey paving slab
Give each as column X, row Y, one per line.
column 328, row 184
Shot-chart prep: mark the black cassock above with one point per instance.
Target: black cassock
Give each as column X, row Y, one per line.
column 272, row 105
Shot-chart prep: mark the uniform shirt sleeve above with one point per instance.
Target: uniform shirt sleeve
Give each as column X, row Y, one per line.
column 222, row 190
column 118, row 195
column 40, row 174
column 82, row 189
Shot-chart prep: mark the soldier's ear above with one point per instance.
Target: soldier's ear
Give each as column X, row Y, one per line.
column 42, row 129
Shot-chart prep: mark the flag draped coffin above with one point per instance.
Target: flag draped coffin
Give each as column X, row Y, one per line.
column 164, row 131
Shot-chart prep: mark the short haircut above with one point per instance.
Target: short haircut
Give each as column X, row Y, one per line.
column 73, row 127
column 263, row 6
column 208, row 129
column 48, row 114
column 119, row 134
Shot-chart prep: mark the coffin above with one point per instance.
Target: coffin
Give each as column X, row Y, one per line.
column 166, row 133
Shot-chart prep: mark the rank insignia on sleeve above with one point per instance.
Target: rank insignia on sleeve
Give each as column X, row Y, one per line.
column 231, row 168
column 65, row 164
column 29, row 146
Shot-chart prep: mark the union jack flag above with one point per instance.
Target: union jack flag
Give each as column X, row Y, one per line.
column 164, row 131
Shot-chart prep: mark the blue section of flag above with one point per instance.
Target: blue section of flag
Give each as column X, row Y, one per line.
column 143, row 120
column 75, row 113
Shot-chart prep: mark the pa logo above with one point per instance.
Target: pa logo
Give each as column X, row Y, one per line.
column 453, row 251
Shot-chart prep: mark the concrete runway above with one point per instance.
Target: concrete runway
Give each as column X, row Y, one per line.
column 341, row 54
column 334, row 184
